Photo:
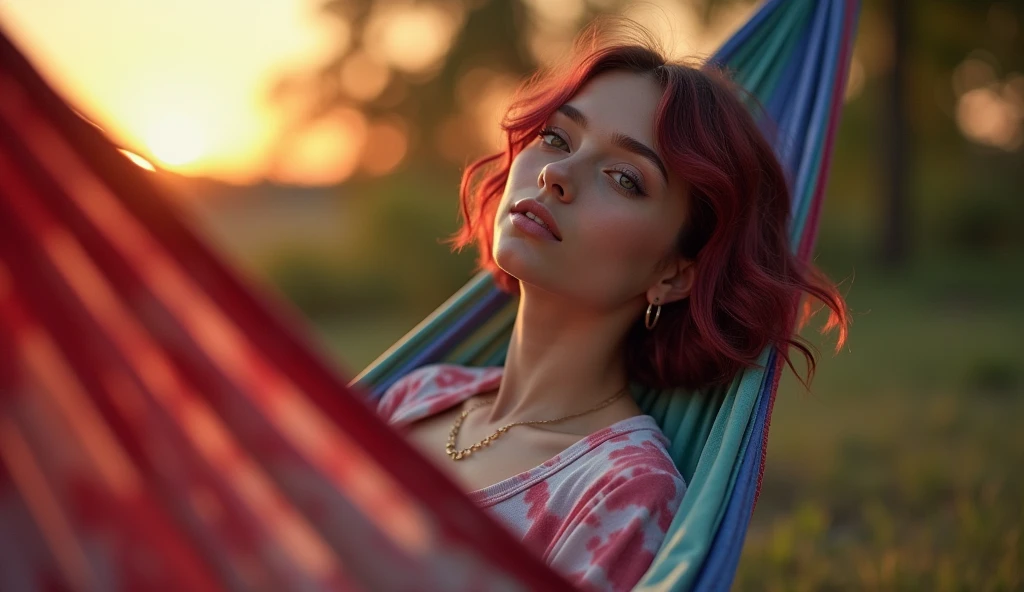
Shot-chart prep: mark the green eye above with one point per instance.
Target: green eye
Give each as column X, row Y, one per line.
column 628, row 180
column 556, row 142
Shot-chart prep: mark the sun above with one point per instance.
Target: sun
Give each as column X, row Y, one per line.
column 138, row 160
column 175, row 139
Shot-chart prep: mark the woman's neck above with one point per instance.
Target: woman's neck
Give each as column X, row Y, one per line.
column 562, row 359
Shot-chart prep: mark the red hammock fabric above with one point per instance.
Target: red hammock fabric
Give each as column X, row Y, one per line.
column 162, row 427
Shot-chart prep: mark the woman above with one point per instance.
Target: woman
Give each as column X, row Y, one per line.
column 641, row 216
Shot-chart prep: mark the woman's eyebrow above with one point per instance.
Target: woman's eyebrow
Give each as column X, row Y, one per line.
column 621, row 140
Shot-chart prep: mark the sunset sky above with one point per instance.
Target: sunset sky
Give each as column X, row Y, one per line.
column 182, row 82
column 185, row 83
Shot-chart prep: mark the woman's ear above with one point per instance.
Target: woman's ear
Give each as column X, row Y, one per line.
column 675, row 282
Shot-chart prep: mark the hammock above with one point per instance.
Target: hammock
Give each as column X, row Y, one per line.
column 167, row 426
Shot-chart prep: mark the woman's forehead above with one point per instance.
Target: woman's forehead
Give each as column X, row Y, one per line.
column 619, row 101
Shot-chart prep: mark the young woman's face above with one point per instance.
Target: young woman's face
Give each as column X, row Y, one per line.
column 616, row 209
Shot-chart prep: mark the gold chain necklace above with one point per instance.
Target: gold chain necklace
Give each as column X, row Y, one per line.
column 466, row 452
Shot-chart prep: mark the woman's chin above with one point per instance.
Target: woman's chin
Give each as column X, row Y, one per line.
column 518, row 261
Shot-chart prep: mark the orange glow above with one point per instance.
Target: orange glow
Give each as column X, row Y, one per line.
column 363, row 77
column 175, row 139
column 989, row 117
column 197, row 106
column 412, row 37
column 989, row 110
column 138, row 160
column 855, row 79
column 484, row 96
column 325, row 154
column 974, row 72
column 385, row 147
column 450, row 139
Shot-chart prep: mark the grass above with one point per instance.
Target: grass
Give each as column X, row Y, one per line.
column 904, row 469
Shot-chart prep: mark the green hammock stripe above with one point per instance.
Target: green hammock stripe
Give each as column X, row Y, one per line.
column 749, row 54
column 752, row 76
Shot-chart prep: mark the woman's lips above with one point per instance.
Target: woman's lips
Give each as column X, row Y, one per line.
column 522, row 222
column 537, row 214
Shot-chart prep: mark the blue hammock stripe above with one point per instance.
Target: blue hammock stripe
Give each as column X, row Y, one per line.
column 727, row 545
column 728, row 542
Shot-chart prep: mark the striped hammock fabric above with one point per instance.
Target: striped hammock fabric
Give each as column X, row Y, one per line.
column 165, row 425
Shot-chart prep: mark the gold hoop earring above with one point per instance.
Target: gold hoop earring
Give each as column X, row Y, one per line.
column 647, row 318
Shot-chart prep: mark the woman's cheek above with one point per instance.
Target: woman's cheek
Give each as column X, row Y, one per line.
column 628, row 245
column 526, row 167
column 619, row 233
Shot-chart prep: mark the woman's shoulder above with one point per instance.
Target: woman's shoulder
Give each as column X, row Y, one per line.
column 432, row 388
column 634, row 455
column 613, row 511
column 629, row 469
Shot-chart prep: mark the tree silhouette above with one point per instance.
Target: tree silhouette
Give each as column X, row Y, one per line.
column 491, row 36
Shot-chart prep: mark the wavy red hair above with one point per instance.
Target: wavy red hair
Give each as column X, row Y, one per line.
column 748, row 282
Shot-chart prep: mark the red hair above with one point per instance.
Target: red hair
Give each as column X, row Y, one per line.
column 747, row 282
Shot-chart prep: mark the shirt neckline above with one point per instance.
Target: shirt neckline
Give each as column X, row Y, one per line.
column 510, row 486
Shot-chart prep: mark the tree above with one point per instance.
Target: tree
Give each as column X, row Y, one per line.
column 896, row 221
column 490, row 42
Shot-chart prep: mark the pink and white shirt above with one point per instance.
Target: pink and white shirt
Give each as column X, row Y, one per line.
column 597, row 512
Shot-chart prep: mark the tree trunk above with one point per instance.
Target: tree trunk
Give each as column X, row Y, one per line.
column 896, row 237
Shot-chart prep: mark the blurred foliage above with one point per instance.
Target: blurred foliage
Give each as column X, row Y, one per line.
column 961, row 194
column 395, row 258
column 489, row 45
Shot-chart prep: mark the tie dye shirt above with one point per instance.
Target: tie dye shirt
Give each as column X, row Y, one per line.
column 597, row 512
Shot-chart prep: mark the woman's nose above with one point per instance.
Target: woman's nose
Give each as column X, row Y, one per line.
column 555, row 178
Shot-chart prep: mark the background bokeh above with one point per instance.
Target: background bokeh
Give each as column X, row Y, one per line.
column 320, row 143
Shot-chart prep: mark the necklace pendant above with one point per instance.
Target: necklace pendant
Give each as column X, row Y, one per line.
column 453, row 434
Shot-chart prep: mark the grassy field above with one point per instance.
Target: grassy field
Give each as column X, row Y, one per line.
column 902, row 470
